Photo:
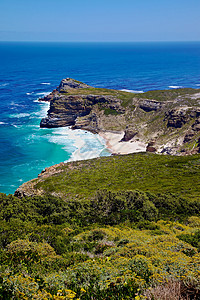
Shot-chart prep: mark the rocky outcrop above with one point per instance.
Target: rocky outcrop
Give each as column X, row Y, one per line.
column 150, row 105
column 27, row 189
column 151, row 147
column 128, row 135
column 179, row 116
column 68, row 84
column 65, row 110
column 170, row 151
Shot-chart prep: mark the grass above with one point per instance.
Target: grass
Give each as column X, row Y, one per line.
column 126, row 97
column 146, row 172
column 168, row 95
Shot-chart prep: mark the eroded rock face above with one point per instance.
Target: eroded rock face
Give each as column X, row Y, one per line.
column 149, row 105
column 49, row 97
column 128, row 135
column 179, row 116
column 64, row 110
column 69, row 83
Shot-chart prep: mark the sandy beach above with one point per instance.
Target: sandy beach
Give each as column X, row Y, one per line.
column 116, row 147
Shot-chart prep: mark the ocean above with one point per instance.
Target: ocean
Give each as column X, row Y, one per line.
column 31, row 70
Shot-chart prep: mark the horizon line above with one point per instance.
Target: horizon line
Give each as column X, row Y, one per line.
column 145, row 41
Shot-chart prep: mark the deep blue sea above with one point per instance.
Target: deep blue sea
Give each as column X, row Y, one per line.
column 30, row 70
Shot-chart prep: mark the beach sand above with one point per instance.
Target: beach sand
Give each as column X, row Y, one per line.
column 116, row 147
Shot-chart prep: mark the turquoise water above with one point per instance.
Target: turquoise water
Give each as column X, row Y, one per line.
column 30, row 70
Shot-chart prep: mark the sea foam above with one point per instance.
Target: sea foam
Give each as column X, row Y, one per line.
column 82, row 145
column 4, row 84
column 43, row 93
column 132, row 91
column 20, row 115
column 42, row 113
column 175, row 86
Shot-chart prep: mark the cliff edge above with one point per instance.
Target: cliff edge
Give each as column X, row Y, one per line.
column 168, row 121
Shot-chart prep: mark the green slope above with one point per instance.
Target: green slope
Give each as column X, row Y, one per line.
column 146, row 172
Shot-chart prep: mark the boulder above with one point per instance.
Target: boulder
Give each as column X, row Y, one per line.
column 128, row 135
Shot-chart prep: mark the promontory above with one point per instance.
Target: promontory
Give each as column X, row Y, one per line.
column 166, row 121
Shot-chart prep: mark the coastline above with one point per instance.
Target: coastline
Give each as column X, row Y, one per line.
column 115, row 146
column 112, row 142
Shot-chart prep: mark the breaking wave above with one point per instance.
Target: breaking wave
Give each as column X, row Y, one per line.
column 132, row 91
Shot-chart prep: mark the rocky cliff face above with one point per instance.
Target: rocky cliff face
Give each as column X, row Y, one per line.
column 66, row 109
column 171, row 118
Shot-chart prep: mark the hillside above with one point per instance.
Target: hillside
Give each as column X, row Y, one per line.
column 119, row 227
column 144, row 171
column 166, row 121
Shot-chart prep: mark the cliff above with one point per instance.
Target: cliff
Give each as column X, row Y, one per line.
column 167, row 121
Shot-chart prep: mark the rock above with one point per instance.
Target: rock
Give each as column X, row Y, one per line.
column 49, row 97
column 27, row 189
column 69, row 83
column 179, row 116
column 169, row 151
column 176, row 117
column 150, row 147
column 149, row 105
column 196, row 125
column 65, row 110
column 128, row 135
column 188, row 137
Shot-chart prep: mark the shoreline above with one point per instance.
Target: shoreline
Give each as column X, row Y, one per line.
column 114, row 145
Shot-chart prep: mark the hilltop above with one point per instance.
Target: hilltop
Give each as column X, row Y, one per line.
column 165, row 121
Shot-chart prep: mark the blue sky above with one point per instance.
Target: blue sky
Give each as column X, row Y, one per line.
column 103, row 20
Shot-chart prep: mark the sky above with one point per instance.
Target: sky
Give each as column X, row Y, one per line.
column 99, row 21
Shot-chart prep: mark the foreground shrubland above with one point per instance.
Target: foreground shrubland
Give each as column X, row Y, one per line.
column 132, row 257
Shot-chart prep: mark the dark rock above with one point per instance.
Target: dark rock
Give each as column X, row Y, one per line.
column 169, row 151
column 179, row 116
column 49, row 97
column 150, row 147
column 150, row 144
column 188, row 137
column 176, row 118
column 150, row 105
column 128, row 135
column 196, row 125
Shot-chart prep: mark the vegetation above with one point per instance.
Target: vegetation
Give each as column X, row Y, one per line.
column 164, row 95
column 126, row 97
column 122, row 227
column 144, row 171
